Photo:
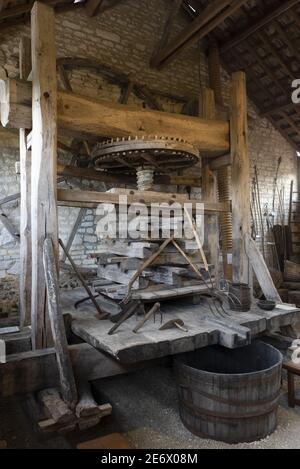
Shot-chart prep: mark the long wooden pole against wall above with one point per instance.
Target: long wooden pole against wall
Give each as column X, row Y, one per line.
column 209, row 187
column 240, row 178
column 25, row 205
column 44, row 156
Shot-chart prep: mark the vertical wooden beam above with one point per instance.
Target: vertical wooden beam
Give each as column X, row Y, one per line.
column 44, row 159
column 208, row 104
column 209, row 188
column 214, row 65
column 240, row 179
column 25, row 203
column 67, row 380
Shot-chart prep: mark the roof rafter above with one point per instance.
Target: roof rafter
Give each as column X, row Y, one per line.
column 211, row 17
column 257, row 25
column 92, row 6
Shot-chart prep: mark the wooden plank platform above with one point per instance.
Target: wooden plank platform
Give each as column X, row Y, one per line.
column 204, row 328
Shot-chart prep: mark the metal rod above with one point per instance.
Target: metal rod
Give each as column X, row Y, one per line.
column 102, row 315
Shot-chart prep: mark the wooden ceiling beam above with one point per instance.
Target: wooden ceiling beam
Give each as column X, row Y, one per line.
column 267, row 92
column 21, row 14
column 167, row 29
column 86, row 116
column 21, row 9
column 257, row 25
column 211, row 17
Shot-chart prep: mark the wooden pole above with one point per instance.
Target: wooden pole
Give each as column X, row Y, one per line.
column 240, row 179
column 67, row 380
column 25, row 204
column 102, row 315
column 44, row 156
column 209, row 188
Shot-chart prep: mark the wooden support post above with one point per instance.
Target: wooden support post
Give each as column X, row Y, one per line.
column 240, row 179
column 67, row 380
column 44, row 156
column 25, row 204
column 209, row 188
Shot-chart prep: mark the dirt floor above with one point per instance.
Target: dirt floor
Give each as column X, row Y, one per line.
column 145, row 409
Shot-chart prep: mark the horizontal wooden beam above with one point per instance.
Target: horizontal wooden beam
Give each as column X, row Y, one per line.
column 271, row 15
column 70, row 197
column 33, row 371
column 79, row 115
column 86, row 173
column 210, row 18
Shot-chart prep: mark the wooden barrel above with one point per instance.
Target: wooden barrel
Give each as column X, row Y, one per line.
column 230, row 395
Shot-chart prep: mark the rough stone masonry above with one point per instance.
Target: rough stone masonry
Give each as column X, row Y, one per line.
column 125, row 38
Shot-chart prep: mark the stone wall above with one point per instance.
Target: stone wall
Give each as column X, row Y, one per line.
column 125, row 38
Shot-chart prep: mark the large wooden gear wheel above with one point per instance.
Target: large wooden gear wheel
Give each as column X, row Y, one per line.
column 128, row 155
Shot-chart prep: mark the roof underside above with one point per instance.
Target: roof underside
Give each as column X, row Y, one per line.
column 267, row 48
column 261, row 37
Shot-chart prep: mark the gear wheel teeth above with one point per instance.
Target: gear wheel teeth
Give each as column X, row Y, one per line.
column 132, row 151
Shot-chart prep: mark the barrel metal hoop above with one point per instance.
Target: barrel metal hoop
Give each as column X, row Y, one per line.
column 205, row 413
column 229, row 402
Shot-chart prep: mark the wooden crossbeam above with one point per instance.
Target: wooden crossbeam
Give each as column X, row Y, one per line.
column 270, row 15
column 86, row 198
column 211, row 17
column 82, row 116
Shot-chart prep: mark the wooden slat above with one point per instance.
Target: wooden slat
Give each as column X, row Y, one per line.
column 257, row 25
column 240, row 178
column 261, row 271
column 44, row 156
